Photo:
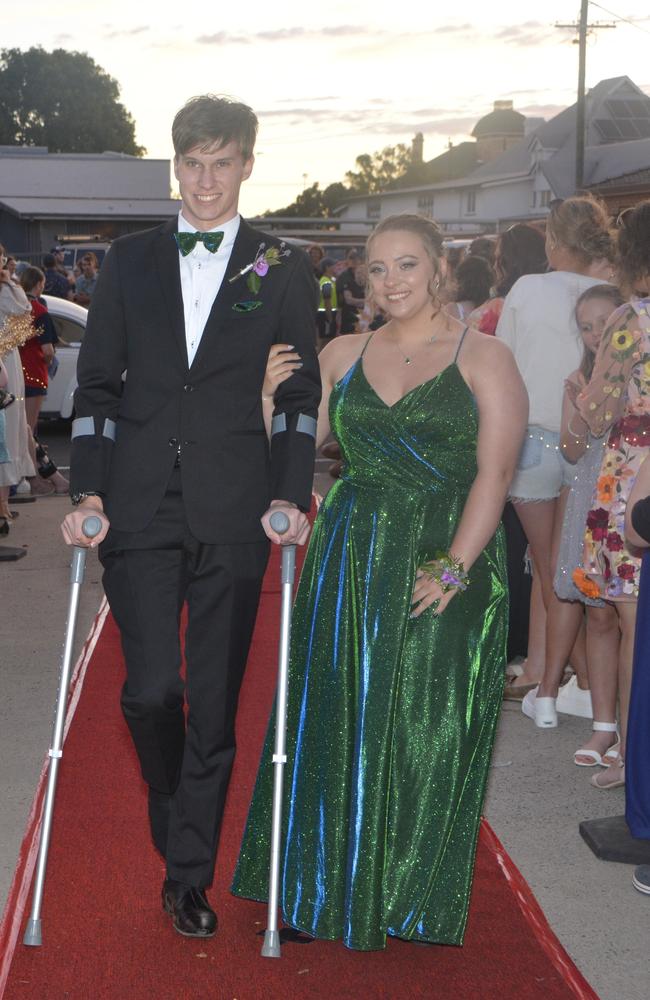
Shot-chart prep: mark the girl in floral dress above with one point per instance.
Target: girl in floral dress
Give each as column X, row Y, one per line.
column 618, row 399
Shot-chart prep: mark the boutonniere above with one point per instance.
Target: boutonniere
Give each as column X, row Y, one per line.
column 256, row 270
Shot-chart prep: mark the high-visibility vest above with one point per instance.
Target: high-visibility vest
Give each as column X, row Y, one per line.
column 322, row 282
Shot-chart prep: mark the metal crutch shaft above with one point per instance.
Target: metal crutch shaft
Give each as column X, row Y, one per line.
column 91, row 526
column 271, row 947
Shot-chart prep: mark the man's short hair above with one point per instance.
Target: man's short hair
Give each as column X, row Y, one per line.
column 48, row 260
column 209, row 120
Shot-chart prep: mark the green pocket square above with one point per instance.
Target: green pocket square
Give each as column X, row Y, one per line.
column 245, row 307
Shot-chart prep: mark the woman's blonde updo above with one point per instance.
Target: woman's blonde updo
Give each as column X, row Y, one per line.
column 429, row 233
column 581, row 225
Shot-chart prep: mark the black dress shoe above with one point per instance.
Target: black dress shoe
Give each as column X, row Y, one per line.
column 192, row 914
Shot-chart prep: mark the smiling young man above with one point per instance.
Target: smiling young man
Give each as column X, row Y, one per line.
column 176, row 460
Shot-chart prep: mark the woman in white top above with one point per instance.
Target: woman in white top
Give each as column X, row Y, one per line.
column 538, row 323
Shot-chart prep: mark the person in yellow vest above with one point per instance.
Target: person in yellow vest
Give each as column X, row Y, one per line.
column 327, row 303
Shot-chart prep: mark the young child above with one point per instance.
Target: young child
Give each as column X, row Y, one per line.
column 566, row 617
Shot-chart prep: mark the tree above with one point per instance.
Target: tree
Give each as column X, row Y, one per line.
column 62, row 100
column 381, row 170
column 312, row 203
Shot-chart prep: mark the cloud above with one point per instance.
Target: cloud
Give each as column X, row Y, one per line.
column 528, row 33
column 287, row 34
column 448, row 29
column 224, row 38
column 126, row 32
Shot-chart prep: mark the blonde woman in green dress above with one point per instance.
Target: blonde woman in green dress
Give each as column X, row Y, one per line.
column 399, row 633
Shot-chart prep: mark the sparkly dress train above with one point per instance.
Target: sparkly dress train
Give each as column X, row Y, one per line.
column 391, row 720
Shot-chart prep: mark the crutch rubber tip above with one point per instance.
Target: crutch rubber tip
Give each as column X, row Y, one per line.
column 271, row 946
column 33, row 933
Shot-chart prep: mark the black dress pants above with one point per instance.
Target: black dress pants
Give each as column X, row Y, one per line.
column 184, row 733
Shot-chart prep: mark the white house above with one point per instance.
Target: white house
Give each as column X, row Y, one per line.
column 517, row 175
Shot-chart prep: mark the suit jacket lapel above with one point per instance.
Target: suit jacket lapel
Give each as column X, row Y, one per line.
column 244, row 250
column 166, row 257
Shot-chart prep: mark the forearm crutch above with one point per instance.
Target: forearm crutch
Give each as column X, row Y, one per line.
column 91, row 526
column 271, row 946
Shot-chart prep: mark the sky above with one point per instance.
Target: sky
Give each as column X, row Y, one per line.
column 331, row 81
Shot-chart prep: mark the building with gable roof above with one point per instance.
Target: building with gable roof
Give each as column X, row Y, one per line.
column 519, row 170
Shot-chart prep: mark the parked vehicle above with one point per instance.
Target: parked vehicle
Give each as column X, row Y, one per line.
column 70, row 322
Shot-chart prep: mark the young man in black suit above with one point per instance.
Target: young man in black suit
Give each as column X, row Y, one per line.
column 169, row 448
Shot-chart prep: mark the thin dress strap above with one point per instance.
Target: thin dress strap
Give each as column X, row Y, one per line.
column 460, row 344
column 366, row 343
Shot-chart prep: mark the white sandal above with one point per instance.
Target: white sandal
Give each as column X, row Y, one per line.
column 611, row 756
column 594, row 758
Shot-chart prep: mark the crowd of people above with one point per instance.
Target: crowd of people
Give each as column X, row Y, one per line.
column 27, row 362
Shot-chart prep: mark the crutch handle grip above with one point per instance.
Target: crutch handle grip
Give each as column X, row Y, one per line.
column 280, row 522
column 91, row 526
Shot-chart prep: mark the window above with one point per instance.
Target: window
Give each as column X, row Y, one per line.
column 373, row 208
column 544, row 199
column 470, row 202
column 67, row 330
column 425, row 205
column 534, row 199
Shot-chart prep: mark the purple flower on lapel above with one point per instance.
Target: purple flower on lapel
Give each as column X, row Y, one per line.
column 258, row 269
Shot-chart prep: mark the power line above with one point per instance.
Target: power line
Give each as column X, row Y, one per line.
column 619, row 17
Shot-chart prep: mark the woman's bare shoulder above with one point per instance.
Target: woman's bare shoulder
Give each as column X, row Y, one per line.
column 339, row 354
column 486, row 360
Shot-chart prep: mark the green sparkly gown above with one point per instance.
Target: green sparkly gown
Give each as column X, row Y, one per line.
column 391, row 720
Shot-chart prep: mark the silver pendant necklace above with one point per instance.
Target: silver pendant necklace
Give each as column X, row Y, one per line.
column 408, row 358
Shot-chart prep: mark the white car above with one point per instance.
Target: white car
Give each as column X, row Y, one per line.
column 70, row 322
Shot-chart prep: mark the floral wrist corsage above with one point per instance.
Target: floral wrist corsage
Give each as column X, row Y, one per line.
column 447, row 571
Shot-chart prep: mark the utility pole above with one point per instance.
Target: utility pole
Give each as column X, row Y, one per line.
column 582, row 27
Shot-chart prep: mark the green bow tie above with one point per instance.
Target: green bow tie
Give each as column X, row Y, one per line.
column 187, row 241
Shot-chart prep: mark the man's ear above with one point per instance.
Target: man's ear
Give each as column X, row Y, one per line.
column 248, row 167
column 176, row 166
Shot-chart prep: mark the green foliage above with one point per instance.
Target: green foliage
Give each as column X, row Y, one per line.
column 388, row 168
column 379, row 171
column 313, row 203
column 62, row 100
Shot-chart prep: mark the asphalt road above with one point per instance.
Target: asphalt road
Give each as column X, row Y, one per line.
column 536, row 796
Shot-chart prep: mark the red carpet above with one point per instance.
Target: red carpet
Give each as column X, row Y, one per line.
column 104, row 933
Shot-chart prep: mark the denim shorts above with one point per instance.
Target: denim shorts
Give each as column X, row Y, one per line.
column 541, row 471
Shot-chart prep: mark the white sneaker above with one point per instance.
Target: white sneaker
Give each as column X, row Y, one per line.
column 572, row 700
column 540, row 710
column 23, row 487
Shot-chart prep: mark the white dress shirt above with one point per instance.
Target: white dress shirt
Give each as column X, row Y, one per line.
column 202, row 273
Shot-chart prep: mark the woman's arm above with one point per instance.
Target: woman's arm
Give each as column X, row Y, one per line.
column 502, row 402
column 574, row 432
column 637, row 521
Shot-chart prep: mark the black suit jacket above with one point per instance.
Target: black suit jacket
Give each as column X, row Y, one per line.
column 212, row 409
